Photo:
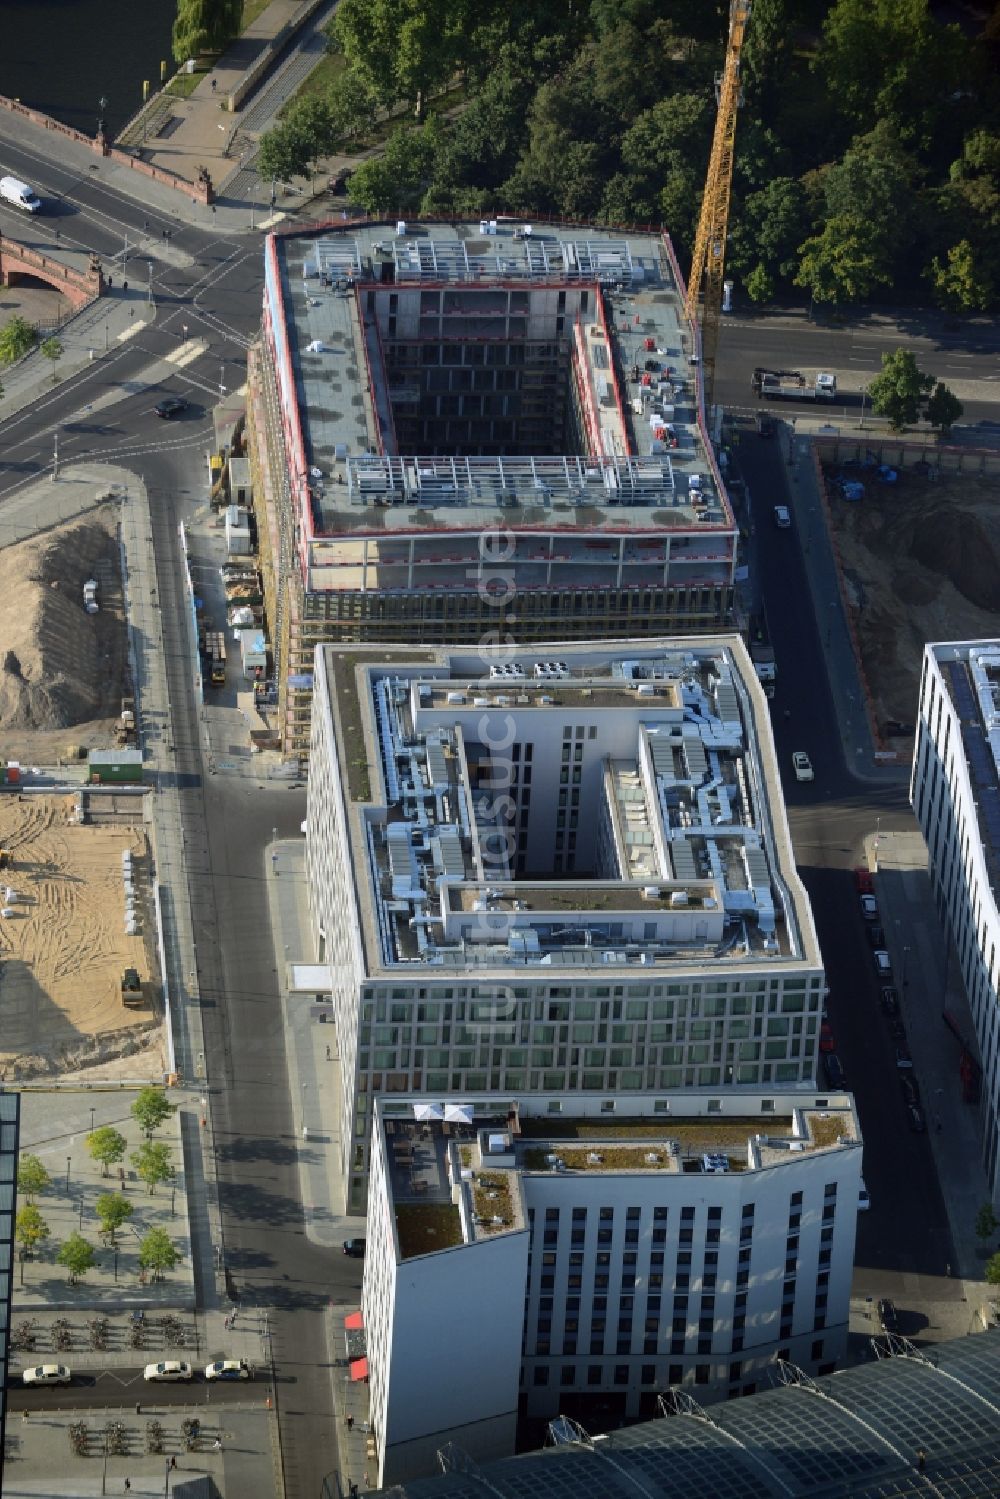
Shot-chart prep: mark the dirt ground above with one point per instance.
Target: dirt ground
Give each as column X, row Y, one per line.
column 63, row 947
column 62, row 671
column 921, row 560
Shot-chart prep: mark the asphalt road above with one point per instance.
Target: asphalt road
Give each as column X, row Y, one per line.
column 853, row 351
column 114, row 1388
column 226, row 823
column 906, row 1229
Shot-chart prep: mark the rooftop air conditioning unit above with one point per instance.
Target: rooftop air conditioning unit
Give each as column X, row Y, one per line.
column 678, row 898
column 650, row 892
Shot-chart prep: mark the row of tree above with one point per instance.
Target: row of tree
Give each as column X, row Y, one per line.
column 868, row 144
column 205, row 26
column 152, row 1164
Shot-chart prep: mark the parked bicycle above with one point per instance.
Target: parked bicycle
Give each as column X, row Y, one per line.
column 62, row 1336
column 79, row 1437
column 154, row 1437
column 22, row 1336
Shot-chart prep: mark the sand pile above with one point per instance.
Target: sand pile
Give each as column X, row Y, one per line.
column 60, row 666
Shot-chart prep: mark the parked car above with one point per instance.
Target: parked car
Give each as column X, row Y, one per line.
column 895, row 729
column 834, row 1070
column 911, row 1092
column 903, row 1059
column 890, row 1000
column 869, row 907
column 782, row 517
column 802, row 765
column 887, row 1315
column 826, row 1041
column 355, row 1248
column 171, row 1368
column 171, row 406
column 876, row 935
column 916, row 1120
column 864, row 1201
column 883, row 963
column 228, row 1368
column 897, row 1030
column 47, row 1374
column 863, row 880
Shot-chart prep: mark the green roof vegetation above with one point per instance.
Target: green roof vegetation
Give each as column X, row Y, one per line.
column 426, row 1227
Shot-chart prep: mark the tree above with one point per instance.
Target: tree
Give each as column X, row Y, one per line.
column 993, row 1269
column 151, row 1108
column 16, row 338
column 152, row 1164
column 32, row 1177
column 30, row 1228
column 402, row 49
column 205, row 26
column 769, row 227
column 958, row 285
column 943, row 408
column 897, row 391
column 53, row 350
column 77, row 1256
column 397, row 180
column 112, row 1211
column 987, row 1222
column 157, row 1253
column 759, row 284
column 843, row 263
column 107, row 1146
column 283, row 154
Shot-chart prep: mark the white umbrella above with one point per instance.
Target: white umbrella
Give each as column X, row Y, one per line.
column 458, row 1113
column 428, row 1111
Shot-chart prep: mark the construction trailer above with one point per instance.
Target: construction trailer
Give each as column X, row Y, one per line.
column 114, row 767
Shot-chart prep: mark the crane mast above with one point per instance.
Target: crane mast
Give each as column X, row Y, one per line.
column 708, row 261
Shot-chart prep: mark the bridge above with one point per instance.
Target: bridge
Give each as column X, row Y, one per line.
column 79, row 286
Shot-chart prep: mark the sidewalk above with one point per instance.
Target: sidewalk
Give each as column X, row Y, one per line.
column 929, row 982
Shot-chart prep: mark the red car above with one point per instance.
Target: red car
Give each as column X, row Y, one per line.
column 826, row 1041
column 864, row 884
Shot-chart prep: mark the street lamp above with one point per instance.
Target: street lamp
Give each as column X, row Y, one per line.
column 69, row 1162
column 864, row 393
column 149, row 281
column 222, row 381
column 92, row 1113
column 102, row 105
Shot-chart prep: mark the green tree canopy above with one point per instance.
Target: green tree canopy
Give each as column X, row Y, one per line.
column 30, row 1228
column 112, row 1211
column 958, row 285
column 157, row 1253
column 844, row 263
column 150, row 1108
column 396, row 181
column 17, row 336
column 77, row 1256
column 986, row 1221
column 53, row 350
column 993, row 1270
column 202, row 26
column 152, row 1163
column 943, row 408
column 32, row 1177
column 897, row 392
column 106, row 1145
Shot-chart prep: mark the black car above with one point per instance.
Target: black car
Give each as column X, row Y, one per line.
column 897, row 1030
column 171, row 406
column 916, row 1120
column 911, row 1091
column 887, row 1315
column 890, row 1000
column 355, row 1248
column 876, row 935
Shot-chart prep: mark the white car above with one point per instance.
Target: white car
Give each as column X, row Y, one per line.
column 802, row 765
column 228, row 1368
column 869, row 907
column 782, row 517
column 864, row 1201
column 171, row 1368
column 47, row 1374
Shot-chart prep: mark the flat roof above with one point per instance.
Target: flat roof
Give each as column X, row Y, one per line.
column 358, row 482
column 696, row 867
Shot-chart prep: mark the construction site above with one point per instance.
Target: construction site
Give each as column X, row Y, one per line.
column 76, row 920
column 920, row 558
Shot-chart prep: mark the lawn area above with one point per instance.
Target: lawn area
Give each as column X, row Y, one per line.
column 183, row 85
column 324, row 75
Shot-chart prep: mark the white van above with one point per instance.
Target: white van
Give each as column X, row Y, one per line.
column 20, row 194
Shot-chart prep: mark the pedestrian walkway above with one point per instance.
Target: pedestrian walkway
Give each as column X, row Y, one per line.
column 929, row 982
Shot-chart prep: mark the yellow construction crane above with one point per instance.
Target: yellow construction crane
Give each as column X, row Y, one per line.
column 708, row 262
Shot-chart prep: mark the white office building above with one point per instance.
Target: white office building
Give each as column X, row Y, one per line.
column 546, row 1255
column 565, row 872
column 955, row 792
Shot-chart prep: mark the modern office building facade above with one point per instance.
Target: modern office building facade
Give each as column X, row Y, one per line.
column 462, row 430
column 548, row 1256
column 563, row 874
column 955, row 793
column 10, row 1104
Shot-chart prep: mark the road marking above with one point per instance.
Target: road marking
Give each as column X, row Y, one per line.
column 188, row 352
column 139, row 326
